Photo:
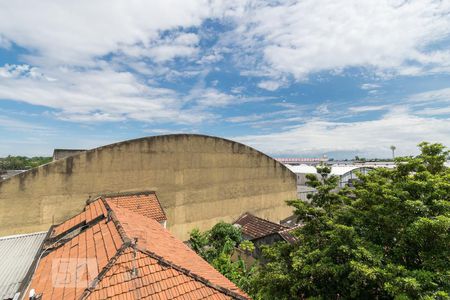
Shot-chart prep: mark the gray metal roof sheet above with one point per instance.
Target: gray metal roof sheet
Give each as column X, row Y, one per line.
column 17, row 253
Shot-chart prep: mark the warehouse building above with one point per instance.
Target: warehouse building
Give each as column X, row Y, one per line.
column 200, row 180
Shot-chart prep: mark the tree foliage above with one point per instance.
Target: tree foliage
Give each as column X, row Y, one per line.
column 387, row 238
column 217, row 246
column 22, row 162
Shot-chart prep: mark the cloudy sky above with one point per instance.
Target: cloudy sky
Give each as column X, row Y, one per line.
column 290, row 78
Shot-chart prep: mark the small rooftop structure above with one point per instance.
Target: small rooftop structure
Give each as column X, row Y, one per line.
column 17, row 254
column 302, row 160
column 63, row 153
column 302, row 169
column 116, row 248
column 254, row 228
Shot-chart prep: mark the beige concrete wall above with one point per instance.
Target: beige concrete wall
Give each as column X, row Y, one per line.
column 199, row 180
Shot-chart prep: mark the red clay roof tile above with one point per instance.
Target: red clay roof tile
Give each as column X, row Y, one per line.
column 90, row 212
column 61, row 272
column 146, row 204
column 255, row 227
column 152, row 237
column 103, row 256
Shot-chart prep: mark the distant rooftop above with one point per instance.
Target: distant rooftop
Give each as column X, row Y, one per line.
column 255, row 227
column 63, row 153
column 302, row 169
column 5, row 174
column 300, row 160
column 17, row 254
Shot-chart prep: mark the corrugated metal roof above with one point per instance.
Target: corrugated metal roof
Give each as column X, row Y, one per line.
column 17, row 253
column 302, row 169
column 341, row 170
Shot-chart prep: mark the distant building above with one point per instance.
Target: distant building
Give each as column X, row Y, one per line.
column 192, row 174
column 346, row 171
column 348, row 174
column 301, row 171
column 5, row 174
column 263, row 232
column 63, row 153
column 302, row 160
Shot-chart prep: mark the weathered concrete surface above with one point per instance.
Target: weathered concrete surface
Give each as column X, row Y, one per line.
column 199, row 180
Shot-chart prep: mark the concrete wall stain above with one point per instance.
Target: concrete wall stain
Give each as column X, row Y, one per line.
column 69, row 165
column 199, row 180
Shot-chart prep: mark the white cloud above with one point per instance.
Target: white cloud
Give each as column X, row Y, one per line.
column 303, row 37
column 76, row 33
column 16, row 125
column 371, row 138
column 270, row 85
column 95, row 95
column 370, row 86
column 435, row 111
column 358, row 109
column 4, row 43
column 167, row 48
column 247, row 118
column 238, row 89
column 433, row 96
column 322, row 109
column 211, row 97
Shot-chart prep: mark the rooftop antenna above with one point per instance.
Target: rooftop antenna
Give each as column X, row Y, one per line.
column 108, row 216
column 134, row 269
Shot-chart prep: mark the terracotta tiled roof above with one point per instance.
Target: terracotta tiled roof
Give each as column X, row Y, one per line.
column 90, row 212
column 122, row 253
column 152, row 237
column 255, row 227
column 146, row 204
column 152, row 280
column 288, row 236
column 89, row 252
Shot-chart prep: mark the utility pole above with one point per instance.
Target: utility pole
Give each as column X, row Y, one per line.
column 393, row 151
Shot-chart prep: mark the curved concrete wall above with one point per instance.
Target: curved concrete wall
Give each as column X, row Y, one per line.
column 199, row 180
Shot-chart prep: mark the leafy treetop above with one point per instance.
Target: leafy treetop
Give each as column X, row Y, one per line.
column 389, row 237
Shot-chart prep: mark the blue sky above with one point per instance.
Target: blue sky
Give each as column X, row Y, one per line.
column 290, row 78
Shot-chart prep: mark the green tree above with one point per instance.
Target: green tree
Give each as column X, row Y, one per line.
column 387, row 238
column 217, row 247
column 22, row 162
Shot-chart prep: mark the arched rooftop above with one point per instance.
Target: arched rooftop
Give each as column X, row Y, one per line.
column 199, row 180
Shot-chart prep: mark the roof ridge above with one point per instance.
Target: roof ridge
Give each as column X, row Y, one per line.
column 84, row 225
column 93, row 284
column 162, row 260
column 262, row 219
column 128, row 241
column 191, row 274
column 291, row 228
column 130, row 193
column 112, row 216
